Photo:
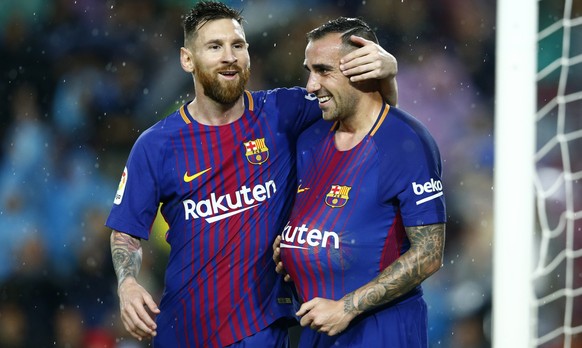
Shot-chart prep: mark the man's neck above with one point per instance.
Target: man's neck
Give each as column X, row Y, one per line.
column 353, row 129
column 211, row 113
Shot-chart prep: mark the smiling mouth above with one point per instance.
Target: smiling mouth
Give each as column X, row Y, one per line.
column 229, row 73
column 324, row 99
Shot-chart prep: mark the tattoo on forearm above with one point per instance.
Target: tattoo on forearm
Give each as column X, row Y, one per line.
column 349, row 303
column 127, row 254
column 422, row 259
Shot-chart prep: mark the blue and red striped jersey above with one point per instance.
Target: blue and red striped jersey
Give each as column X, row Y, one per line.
column 347, row 223
column 226, row 191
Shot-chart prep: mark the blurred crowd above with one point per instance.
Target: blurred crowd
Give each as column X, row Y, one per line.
column 81, row 79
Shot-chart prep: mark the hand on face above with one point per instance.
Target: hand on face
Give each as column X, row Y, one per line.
column 370, row 61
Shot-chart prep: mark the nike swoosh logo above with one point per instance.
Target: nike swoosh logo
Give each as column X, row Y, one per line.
column 299, row 189
column 188, row 178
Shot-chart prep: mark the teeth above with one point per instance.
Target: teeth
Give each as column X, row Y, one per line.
column 324, row 99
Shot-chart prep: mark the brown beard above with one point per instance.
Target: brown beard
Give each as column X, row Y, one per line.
column 223, row 92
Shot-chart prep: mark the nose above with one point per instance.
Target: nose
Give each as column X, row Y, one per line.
column 313, row 84
column 229, row 55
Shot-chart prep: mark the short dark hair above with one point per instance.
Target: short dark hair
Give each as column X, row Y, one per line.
column 205, row 11
column 347, row 26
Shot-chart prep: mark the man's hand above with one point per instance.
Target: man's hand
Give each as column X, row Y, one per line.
column 126, row 253
column 325, row 316
column 370, row 61
column 135, row 302
column 279, row 268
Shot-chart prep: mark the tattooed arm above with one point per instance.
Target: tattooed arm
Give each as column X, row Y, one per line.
column 127, row 254
column 133, row 298
column 424, row 258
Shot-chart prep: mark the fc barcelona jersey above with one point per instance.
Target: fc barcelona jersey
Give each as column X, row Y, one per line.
column 226, row 191
column 351, row 207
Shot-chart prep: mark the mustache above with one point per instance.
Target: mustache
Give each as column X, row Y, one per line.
column 231, row 67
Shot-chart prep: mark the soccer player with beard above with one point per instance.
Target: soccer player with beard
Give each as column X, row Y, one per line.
column 368, row 223
column 223, row 167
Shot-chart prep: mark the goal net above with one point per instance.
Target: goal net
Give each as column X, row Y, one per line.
column 557, row 271
column 543, row 308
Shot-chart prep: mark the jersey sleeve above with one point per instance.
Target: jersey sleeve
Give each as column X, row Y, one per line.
column 137, row 198
column 298, row 108
column 412, row 170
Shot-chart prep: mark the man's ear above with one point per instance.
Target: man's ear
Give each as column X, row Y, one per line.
column 186, row 60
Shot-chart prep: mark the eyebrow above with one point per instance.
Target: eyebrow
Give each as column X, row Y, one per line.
column 221, row 41
column 319, row 67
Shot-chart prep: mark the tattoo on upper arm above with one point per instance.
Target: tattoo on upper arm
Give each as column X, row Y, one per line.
column 126, row 253
column 422, row 259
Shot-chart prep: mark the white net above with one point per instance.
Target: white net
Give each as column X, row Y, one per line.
column 558, row 179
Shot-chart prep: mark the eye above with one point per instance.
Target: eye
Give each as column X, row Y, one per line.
column 323, row 71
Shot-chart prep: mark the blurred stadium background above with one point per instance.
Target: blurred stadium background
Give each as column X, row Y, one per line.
column 80, row 79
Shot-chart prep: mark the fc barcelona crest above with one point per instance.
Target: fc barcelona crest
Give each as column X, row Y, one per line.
column 257, row 151
column 337, row 196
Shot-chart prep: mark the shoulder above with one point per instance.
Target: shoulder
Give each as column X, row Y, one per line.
column 404, row 141
column 161, row 131
column 292, row 96
column 291, row 109
column 403, row 132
